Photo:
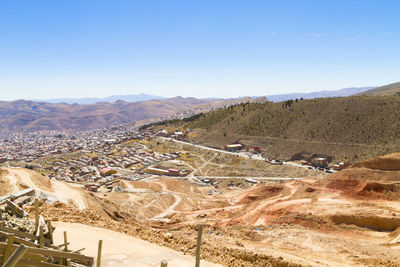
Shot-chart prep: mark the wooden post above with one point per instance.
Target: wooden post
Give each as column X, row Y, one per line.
column 41, row 238
column 65, row 242
column 65, row 261
column 164, row 263
column 98, row 262
column 10, row 242
column 36, row 214
column 16, row 256
column 50, row 231
column 198, row 245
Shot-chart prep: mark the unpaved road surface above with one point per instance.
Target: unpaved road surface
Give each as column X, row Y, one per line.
column 119, row 249
column 61, row 191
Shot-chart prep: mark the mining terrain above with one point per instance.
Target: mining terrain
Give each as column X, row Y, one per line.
column 348, row 218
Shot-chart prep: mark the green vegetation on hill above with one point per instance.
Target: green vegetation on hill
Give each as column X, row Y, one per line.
column 359, row 126
column 347, row 120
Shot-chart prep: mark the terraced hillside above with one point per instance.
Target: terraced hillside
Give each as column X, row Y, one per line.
column 350, row 128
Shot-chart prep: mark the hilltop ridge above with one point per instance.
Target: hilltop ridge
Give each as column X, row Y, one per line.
column 351, row 128
column 390, row 89
column 27, row 115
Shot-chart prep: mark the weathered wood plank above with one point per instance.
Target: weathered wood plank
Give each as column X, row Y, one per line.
column 22, row 193
column 50, row 253
column 28, row 263
column 14, row 208
column 8, row 251
column 16, row 256
column 22, row 234
column 61, row 254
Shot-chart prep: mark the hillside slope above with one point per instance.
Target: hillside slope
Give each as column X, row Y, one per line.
column 390, row 89
column 350, row 128
column 320, row 94
column 24, row 115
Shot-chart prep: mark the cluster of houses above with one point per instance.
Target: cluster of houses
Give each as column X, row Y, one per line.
column 322, row 163
column 237, row 146
column 29, row 146
column 112, row 162
column 167, row 172
column 179, row 135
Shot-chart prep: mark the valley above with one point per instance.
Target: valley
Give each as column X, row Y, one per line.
column 267, row 191
column 255, row 213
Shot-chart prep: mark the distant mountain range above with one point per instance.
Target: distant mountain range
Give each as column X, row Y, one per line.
column 22, row 116
column 90, row 113
column 147, row 97
column 320, row 94
column 94, row 100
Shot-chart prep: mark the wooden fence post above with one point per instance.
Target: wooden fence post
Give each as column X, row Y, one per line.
column 10, row 242
column 50, row 231
column 41, row 238
column 65, row 242
column 164, row 263
column 36, row 215
column 16, row 256
column 98, row 262
column 198, row 245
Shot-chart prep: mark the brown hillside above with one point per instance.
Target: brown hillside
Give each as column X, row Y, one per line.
column 389, row 162
column 350, row 128
column 373, row 179
column 35, row 116
column 390, row 89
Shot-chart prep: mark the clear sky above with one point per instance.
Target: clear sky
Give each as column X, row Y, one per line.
column 204, row 48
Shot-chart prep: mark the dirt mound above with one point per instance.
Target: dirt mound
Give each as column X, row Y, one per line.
column 180, row 186
column 366, row 189
column 389, row 162
column 4, row 185
column 261, row 192
column 369, row 179
column 145, row 185
column 372, row 222
column 41, row 181
column 380, row 190
column 349, row 186
column 362, row 173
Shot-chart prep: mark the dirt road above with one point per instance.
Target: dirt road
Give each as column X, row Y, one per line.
column 121, row 250
column 58, row 190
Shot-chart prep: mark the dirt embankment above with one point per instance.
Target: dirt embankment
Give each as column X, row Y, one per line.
column 389, row 162
column 4, row 184
column 182, row 239
column 261, row 192
column 376, row 178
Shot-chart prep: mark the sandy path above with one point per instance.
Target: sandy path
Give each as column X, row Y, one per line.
column 59, row 190
column 119, row 249
column 170, row 209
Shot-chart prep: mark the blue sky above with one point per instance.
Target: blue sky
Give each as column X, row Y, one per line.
column 207, row 48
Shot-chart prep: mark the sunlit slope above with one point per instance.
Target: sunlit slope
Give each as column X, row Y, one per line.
column 390, row 89
column 357, row 127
